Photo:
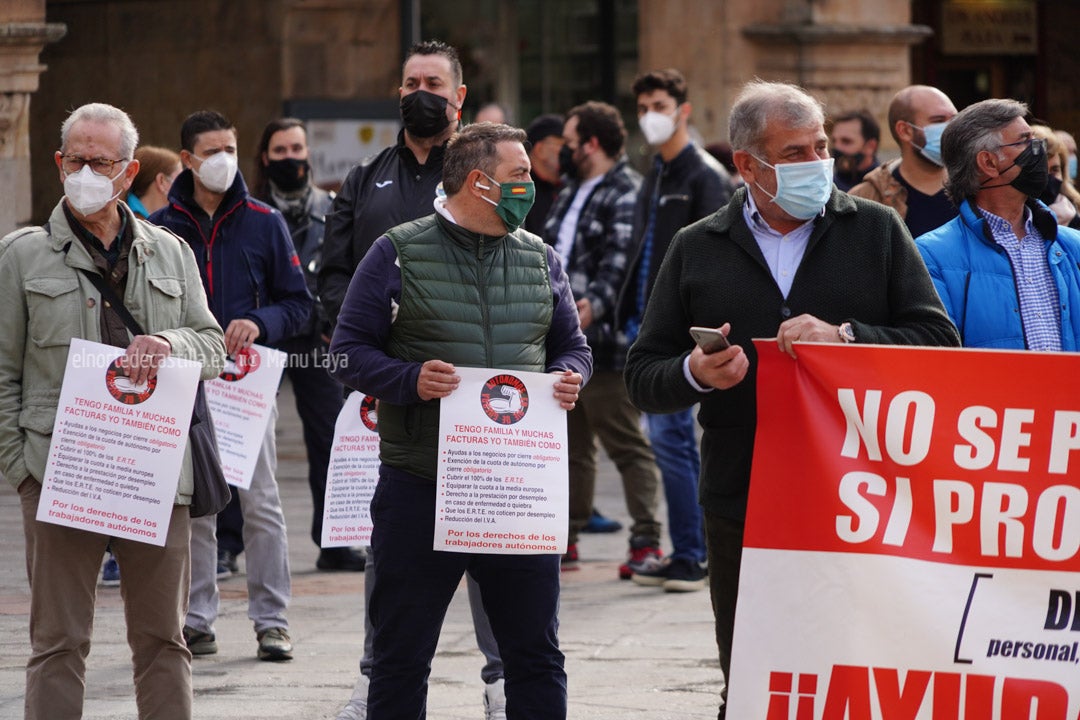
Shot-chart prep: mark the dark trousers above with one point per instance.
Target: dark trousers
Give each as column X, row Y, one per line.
column 723, row 538
column 318, row 402
column 413, row 588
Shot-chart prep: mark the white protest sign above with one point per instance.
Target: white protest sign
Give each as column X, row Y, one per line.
column 241, row 400
column 502, row 470
column 352, row 475
column 117, row 448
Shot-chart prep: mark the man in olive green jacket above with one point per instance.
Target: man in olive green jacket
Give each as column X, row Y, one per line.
column 48, row 302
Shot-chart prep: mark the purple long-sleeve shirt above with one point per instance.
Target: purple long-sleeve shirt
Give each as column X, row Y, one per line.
column 369, row 309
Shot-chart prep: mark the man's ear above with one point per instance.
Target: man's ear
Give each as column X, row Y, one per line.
column 460, row 94
column 474, row 180
column 684, row 112
column 988, row 163
column 185, row 159
column 872, row 145
column 745, row 164
column 904, row 131
column 130, row 172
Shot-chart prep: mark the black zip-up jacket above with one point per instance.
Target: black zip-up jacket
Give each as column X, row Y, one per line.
column 384, row 191
column 693, row 185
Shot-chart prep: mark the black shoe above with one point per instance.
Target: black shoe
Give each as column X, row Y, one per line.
column 674, row 575
column 341, row 558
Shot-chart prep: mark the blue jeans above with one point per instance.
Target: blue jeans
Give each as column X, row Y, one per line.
column 413, row 588
column 675, row 446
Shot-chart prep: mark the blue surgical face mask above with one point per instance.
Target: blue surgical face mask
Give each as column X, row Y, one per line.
column 1072, row 166
column 802, row 188
column 932, row 137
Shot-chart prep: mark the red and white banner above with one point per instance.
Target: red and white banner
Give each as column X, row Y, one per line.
column 912, row 543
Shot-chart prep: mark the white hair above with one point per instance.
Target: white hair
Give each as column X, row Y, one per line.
column 102, row 113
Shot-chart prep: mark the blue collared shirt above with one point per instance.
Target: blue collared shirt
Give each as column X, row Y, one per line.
column 783, row 253
column 1039, row 301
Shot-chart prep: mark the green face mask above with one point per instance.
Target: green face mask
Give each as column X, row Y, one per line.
column 515, row 203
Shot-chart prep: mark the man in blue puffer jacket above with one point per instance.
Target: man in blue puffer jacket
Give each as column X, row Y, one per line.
column 1007, row 273
column 257, row 292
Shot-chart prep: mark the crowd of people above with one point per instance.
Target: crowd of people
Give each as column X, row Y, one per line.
column 797, row 230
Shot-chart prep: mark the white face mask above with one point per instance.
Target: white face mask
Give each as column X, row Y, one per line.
column 658, row 127
column 217, row 172
column 87, row 192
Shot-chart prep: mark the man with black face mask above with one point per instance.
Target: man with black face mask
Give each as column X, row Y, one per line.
column 1005, row 250
column 283, row 179
column 398, row 184
column 854, row 138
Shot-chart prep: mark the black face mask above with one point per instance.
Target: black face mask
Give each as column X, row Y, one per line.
column 847, row 163
column 288, row 174
column 1053, row 189
column 1033, row 170
column 424, row 114
column 566, row 162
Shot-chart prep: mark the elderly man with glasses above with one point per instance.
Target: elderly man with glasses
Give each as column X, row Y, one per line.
column 49, row 300
column 1008, row 274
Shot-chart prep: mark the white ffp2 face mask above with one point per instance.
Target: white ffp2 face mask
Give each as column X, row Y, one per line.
column 217, row 172
column 657, row 127
column 87, row 192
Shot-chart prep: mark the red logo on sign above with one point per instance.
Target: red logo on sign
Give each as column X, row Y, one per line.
column 246, row 361
column 121, row 387
column 369, row 413
column 504, row 399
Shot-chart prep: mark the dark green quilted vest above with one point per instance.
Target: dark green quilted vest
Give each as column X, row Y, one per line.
column 468, row 299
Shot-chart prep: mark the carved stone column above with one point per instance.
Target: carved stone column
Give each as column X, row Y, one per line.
column 21, row 43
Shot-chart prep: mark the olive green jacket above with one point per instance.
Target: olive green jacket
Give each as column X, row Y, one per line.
column 47, row 302
column 471, row 300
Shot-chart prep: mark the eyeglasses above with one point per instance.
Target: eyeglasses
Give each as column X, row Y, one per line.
column 1038, row 145
column 99, row 166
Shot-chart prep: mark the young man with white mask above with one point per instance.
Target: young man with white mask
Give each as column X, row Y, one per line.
column 257, row 292
column 684, row 185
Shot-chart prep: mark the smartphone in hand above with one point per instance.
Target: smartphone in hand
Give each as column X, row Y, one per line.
column 710, row 340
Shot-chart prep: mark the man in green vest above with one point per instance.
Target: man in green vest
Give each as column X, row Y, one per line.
column 462, row 287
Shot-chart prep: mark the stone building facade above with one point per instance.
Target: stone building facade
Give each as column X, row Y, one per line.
column 257, row 59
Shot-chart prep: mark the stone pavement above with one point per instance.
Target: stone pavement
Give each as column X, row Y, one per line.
column 631, row 651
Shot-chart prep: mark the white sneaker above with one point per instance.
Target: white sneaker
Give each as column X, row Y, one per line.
column 494, row 701
column 356, row 709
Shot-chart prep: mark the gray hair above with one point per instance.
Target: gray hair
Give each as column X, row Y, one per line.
column 976, row 128
column 761, row 101
column 107, row 114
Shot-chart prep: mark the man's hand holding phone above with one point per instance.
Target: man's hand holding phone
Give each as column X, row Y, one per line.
column 714, row 362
